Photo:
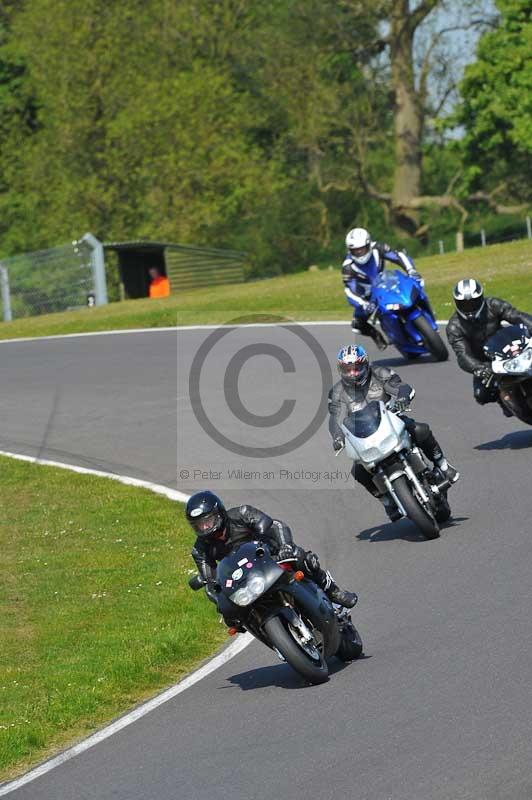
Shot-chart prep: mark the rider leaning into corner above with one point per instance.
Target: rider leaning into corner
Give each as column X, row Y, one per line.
column 219, row 530
column 476, row 319
column 360, row 384
column 364, row 261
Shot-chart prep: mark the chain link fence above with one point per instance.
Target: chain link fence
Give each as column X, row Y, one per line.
column 58, row 279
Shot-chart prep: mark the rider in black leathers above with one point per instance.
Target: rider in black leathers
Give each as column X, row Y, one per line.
column 476, row 319
column 361, row 384
column 220, row 530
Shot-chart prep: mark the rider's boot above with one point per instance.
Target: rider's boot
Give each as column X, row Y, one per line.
column 365, row 328
column 505, row 410
column 325, row 581
column 379, row 339
column 450, row 472
column 434, row 453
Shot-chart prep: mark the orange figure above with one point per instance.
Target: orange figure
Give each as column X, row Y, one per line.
column 160, row 285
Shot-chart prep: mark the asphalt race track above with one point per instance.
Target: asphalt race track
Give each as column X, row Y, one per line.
column 440, row 707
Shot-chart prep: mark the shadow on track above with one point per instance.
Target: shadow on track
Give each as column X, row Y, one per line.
column 282, row 676
column 517, row 440
column 390, row 531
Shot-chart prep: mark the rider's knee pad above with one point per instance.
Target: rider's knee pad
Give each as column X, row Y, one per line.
column 423, row 432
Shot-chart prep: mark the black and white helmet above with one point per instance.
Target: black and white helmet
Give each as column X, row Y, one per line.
column 469, row 298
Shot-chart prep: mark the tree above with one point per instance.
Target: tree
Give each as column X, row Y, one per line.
column 414, row 106
column 496, row 109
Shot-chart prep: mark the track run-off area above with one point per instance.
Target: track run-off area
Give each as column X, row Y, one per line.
column 440, row 705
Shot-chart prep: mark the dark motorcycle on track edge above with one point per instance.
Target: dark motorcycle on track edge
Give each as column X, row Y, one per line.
column 510, row 351
column 284, row 610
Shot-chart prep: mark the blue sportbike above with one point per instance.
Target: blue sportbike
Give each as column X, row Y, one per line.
column 406, row 317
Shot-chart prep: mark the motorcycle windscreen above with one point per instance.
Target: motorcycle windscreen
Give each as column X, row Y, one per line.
column 233, row 570
column 394, row 287
column 507, row 342
column 364, row 423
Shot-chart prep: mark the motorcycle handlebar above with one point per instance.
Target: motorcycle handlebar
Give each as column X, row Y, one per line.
column 196, row 582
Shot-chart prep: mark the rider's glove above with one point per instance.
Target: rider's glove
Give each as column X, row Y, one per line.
column 370, row 308
column 417, row 277
column 483, row 372
column 285, row 551
column 399, row 404
column 211, row 588
column 338, row 443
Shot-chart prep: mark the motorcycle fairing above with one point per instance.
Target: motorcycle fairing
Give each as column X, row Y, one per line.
column 393, row 288
column 384, row 434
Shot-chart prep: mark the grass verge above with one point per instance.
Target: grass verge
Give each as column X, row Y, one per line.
column 95, row 611
column 505, row 269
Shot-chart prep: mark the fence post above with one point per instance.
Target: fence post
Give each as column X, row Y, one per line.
column 483, row 237
column 6, row 296
column 529, row 227
column 98, row 268
column 459, row 242
column 440, row 244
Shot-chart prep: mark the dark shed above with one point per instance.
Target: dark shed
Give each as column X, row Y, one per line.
column 185, row 267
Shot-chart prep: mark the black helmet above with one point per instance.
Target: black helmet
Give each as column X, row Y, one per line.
column 469, row 299
column 206, row 513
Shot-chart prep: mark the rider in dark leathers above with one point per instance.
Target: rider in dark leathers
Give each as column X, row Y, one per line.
column 245, row 523
column 361, row 384
column 476, row 319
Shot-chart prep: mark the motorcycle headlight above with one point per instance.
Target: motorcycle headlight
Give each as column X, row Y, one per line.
column 248, row 593
column 393, row 306
column 520, row 363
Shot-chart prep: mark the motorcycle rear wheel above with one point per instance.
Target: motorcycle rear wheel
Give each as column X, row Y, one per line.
column 415, row 511
column 313, row 670
column 433, row 341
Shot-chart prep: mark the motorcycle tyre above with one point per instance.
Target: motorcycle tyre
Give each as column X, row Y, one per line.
column 432, row 339
column 415, row 512
column 280, row 637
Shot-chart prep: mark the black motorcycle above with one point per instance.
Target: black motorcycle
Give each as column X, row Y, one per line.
column 510, row 352
column 283, row 609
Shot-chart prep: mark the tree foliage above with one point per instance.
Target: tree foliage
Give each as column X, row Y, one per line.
column 266, row 127
column 496, row 109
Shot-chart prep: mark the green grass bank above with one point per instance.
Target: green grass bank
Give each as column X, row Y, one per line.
column 505, row 269
column 95, row 610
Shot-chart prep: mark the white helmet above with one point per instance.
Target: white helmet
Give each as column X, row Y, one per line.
column 358, row 242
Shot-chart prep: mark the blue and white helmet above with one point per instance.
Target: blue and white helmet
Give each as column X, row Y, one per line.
column 353, row 365
column 358, row 242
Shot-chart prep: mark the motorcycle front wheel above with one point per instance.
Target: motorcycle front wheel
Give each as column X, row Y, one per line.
column 307, row 660
column 415, row 511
